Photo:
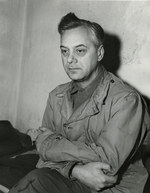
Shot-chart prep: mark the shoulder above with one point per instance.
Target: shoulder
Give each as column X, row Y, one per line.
column 120, row 88
column 60, row 89
column 115, row 85
column 122, row 95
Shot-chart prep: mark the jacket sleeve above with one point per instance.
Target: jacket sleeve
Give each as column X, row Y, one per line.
column 118, row 141
column 45, row 144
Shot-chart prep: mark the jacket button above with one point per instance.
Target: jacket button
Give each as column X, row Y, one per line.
column 65, row 124
column 69, row 127
column 112, row 81
column 58, row 137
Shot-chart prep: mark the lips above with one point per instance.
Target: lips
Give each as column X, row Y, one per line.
column 72, row 69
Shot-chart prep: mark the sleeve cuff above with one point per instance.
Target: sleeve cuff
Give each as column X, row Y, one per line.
column 71, row 168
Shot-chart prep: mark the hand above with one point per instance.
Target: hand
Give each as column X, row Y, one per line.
column 92, row 175
column 33, row 133
column 44, row 131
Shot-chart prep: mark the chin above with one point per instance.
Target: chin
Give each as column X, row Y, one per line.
column 74, row 77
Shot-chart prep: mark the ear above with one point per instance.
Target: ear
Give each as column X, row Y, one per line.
column 100, row 51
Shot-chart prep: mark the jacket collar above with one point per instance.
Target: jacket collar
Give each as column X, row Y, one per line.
column 89, row 107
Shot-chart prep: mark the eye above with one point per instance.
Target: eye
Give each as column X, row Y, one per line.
column 65, row 52
column 81, row 52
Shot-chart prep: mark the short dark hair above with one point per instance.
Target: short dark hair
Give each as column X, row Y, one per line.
column 71, row 21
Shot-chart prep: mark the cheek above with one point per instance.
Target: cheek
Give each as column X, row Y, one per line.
column 86, row 63
column 89, row 64
column 65, row 66
column 63, row 61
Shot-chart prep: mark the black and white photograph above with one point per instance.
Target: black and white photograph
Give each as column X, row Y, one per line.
column 74, row 96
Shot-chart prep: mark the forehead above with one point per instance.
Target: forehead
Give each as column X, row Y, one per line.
column 77, row 36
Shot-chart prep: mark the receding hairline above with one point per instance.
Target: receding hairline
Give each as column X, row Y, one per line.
column 71, row 21
column 90, row 32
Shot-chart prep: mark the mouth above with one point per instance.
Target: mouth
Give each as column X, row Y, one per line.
column 73, row 69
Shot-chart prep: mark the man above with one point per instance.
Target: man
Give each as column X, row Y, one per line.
column 93, row 128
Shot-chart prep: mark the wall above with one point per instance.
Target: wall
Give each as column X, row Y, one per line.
column 11, row 32
column 41, row 64
column 126, row 23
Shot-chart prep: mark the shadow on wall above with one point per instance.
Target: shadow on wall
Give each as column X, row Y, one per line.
column 112, row 46
column 112, row 60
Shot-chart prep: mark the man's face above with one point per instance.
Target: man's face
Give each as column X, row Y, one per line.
column 79, row 55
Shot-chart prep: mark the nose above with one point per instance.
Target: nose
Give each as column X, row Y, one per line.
column 71, row 58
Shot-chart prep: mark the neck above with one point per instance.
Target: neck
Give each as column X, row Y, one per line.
column 89, row 80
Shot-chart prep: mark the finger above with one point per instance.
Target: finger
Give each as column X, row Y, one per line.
column 103, row 166
column 111, row 179
column 42, row 129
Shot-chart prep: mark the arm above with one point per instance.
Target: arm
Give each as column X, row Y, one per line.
column 93, row 176
column 52, row 142
column 113, row 146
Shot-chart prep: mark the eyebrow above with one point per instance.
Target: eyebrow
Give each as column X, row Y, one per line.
column 80, row 45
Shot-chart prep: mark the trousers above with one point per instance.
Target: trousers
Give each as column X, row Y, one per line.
column 45, row 180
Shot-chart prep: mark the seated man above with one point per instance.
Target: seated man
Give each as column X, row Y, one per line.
column 94, row 127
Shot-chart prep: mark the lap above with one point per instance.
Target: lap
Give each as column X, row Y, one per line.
column 45, row 180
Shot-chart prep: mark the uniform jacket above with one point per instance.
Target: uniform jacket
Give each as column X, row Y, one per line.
column 112, row 127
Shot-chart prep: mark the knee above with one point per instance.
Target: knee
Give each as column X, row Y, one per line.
column 37, row 174
column 30, row 180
